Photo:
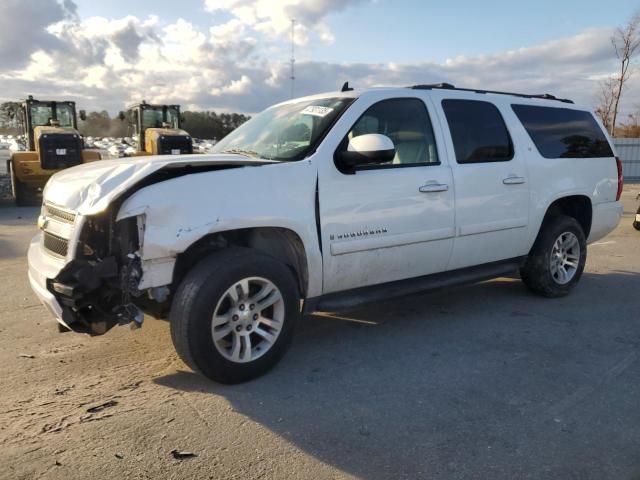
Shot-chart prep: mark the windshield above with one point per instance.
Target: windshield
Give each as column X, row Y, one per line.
column 286, row 132
column 153, row 117
column 41, row 114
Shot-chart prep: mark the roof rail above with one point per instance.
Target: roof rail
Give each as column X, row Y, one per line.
column 448, row 86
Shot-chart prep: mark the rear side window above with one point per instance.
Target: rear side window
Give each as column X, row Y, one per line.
column 478, row 131
column 563, row 133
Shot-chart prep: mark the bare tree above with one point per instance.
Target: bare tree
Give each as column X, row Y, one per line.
column 625, row 41
column 606, row 99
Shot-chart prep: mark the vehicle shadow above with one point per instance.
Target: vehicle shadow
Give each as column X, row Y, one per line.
column 474, row 382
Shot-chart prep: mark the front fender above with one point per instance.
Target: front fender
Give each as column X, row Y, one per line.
column 181, row 211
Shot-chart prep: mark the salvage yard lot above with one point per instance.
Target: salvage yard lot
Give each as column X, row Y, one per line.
column 483, row 381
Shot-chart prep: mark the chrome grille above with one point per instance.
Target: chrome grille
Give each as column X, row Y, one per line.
column 58, row 214
column 56, row 245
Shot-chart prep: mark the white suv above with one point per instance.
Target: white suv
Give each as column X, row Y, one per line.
column 335, row 200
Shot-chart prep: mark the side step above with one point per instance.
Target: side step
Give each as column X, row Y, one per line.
column 350, row 299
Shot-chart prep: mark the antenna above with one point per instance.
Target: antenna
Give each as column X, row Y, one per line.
column 293, row 58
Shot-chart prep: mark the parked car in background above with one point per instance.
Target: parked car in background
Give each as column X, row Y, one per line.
column 332, row 200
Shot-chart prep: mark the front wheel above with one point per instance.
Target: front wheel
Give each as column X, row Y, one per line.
column 636, row 223
column 233, row 315
column 556, row 261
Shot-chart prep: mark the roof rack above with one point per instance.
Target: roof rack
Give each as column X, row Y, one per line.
column 448, row 86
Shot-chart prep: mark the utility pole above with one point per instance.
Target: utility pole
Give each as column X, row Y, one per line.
column 293, row 58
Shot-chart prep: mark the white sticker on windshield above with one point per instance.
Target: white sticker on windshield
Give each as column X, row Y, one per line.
column 317, row 111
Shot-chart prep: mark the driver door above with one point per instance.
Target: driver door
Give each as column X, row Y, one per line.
column 391, row 221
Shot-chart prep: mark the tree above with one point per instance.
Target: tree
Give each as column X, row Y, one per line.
column 212, row 125
column 606, row 99
column 630, row 128
column 625, row 41
column 11, row 117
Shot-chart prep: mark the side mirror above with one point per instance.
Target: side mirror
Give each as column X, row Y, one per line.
column 83, row 115
column 121, row 116
column 367, row 149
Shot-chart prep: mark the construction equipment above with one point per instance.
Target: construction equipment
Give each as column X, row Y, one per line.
column 53, row 143
column 157, row 129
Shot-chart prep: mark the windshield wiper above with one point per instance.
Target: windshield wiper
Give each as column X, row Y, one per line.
column 239, row 151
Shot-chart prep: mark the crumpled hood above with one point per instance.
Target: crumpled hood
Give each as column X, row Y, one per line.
column 89, row 188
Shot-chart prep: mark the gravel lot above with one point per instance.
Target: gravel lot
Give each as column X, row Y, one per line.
column 480, row 382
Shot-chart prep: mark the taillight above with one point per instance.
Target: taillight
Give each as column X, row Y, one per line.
column 620, row 179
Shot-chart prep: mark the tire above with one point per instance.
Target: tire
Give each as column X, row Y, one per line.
column 205, row 291
column 538, row 272
column 636, row 222
column 24, row 195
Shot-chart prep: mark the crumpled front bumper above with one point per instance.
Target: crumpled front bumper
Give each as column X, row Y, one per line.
column 43, row 267
column 77, row 293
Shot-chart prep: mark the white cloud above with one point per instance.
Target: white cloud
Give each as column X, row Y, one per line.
column 273, row 17
column 107, row 63
column 23, row 28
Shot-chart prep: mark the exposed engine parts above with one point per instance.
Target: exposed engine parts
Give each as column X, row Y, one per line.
column 99, row 288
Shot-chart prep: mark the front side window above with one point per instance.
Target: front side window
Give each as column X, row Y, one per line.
column 41, row 115
column 285, row 132
column 478, row 131
column 64, row 114
column 406, row 122
column 173, row 117
column 152, row 118
column 563, row 132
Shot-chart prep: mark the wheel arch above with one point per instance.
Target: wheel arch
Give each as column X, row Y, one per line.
column 575, row 206
column 281, row 243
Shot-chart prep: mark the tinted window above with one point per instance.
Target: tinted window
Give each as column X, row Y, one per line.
column 406, row 122
column 478, row 131
column 563, row 133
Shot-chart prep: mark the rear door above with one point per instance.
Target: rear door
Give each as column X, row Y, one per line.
column 492, row 188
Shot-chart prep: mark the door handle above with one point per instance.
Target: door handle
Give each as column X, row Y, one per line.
column 513, row 180
column 434, row 187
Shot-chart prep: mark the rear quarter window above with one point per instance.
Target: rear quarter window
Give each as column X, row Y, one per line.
column 563, row 132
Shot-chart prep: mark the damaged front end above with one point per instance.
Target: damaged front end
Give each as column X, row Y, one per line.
column 98, row 288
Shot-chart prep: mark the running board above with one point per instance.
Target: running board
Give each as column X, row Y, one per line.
column 350, row 299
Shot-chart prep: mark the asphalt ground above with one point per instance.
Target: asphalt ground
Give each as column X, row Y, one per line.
column 486, row 381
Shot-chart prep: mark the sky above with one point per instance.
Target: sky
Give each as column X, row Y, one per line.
column 232, row 55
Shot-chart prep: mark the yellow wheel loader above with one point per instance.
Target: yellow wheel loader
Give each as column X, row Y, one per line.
column 157, row 129
column 53, row 143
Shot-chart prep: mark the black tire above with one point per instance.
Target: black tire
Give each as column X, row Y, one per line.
column 195, row 300
column 536, row 272
column 636, row 223
column 23, row 195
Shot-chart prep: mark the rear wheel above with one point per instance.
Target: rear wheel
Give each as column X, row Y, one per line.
column 556, row 261
column 24, row 195
column 636, row 223
column 233, row 315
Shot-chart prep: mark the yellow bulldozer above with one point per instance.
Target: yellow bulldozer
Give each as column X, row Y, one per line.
column 53, row 143
column 157, row 129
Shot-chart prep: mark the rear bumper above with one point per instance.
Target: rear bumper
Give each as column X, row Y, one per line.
column 43, row 267
column 606, row 217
